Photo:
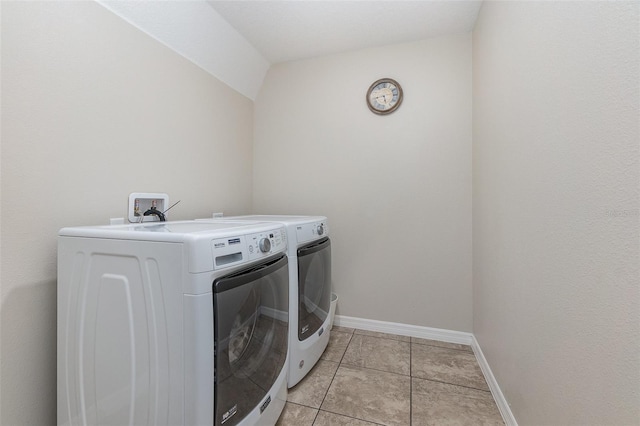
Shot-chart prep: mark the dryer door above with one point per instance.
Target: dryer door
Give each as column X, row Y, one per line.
column 251, row 316
column 314, row 287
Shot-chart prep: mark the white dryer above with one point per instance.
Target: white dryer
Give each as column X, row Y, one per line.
column 172, row 323
column 309, row 252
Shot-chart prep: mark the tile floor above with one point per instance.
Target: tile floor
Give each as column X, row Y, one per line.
column 366, row 378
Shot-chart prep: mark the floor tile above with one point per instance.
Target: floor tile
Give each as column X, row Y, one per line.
column 446, row 365
column 352, row 384
column 380, row 354
column 338, row 343
column 343, row 329
column 383, row 335
column 370, row 395
column 434, row 403
column 326, row 418
column 312, row 389
column 297, row 415
column 438, row 343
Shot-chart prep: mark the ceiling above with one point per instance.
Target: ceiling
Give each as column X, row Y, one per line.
column 297, row 29
column 237, row 41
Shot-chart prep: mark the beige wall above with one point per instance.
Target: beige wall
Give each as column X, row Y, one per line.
column 396, row 189
column 555, row 208
column 93, row 109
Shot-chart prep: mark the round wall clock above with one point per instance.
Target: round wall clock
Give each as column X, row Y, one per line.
column 384, row 96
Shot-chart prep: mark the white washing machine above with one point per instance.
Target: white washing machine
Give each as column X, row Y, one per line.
column 309, row 253
column 172, row 323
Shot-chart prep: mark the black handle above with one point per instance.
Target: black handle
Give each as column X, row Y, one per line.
column 248, row 275
column 315, row 247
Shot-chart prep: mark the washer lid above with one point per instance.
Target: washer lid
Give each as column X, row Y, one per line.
column 178, row 231
column 300, row 229
column 287, row 220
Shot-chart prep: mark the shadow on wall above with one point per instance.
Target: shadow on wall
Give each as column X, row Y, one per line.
column 29, row 359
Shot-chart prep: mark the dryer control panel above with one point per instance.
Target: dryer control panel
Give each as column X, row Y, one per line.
column 312, row 231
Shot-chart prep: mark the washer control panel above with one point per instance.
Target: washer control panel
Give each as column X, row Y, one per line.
column 312, row 231
column 244, row 248
column 265, row 243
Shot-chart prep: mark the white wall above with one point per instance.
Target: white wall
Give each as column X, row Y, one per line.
column 93, row 109
column 396, row 189
column 556, row 208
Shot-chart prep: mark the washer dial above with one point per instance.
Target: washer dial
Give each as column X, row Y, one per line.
column 264, row 245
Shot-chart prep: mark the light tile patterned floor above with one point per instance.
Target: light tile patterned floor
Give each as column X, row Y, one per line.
column 366, row 378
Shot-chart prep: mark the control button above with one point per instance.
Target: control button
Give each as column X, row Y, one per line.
column 264, row 245
column 320, row 229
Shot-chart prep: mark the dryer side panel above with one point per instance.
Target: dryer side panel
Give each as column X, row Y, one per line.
column 118, row 305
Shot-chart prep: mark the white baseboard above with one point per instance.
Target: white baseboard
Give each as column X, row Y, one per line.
column 498, row 396
column 442, row 335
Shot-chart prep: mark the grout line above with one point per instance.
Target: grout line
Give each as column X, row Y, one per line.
column 384, row 338
column 388, row 336
column 410, row 384
column 345, row 350
column 316, row 416
column 470, row 350
column 452, row 384
column 353, row 330
column 329, row 387
column 334, row 374
column 332, row 379
column 351, row 417
column 299, row 383
column 302, row 405
column 377, row 369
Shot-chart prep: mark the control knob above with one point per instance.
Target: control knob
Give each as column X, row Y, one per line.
column 264, row 245
column 320, row 229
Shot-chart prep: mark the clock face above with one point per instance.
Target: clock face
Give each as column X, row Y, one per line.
column 384, row 96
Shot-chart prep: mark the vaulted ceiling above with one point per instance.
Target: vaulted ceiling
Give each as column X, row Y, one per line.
column 237, row 41
column 289, row 30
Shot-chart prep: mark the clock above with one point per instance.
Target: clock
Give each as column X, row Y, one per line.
column 384, row 96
